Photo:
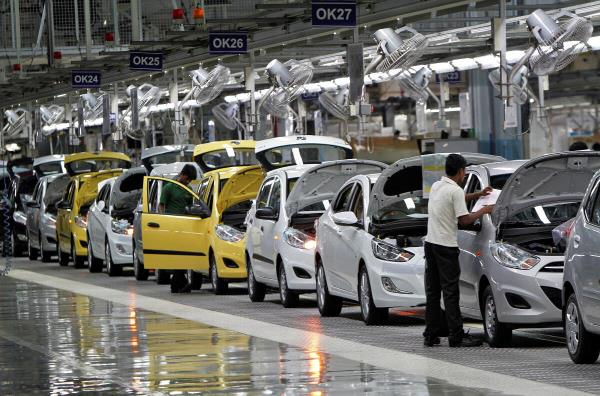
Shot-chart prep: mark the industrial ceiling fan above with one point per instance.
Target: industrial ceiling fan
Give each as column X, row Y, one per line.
column 394, row 52
column 92, row 105
column 143, row 98
column 286, row 81
column 228, row 116
column 16, row 123
column 52, row 114
column 206, row 86
column 336, row 104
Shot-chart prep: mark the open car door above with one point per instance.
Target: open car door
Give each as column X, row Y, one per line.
column 171, row 241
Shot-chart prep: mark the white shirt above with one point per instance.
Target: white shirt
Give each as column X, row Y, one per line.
column 446, row 204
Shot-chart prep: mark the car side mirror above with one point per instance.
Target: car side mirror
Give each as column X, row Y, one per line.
column 345, row 219
column 101, row 206
column 198, row 209
column 63, row 205
column 266, row 213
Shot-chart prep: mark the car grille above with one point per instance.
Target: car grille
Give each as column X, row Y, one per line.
column 556, row 266
column 553, row 295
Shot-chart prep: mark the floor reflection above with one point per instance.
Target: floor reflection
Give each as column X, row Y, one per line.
column 58, row 343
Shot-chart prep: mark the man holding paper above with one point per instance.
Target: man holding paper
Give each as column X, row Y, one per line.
column 447, row 210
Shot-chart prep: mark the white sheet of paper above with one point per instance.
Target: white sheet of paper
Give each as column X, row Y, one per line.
column 487, row 200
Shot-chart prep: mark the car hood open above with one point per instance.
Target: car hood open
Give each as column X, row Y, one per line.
column 404, row 179
column 552, row 178
column 322, row 182
column 127, row 190
column 241, row 186
column 74, row 162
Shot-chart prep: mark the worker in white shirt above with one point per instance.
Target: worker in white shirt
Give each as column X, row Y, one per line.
column 447, row 210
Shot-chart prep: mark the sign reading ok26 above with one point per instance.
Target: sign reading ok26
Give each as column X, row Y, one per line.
column 334, row 13
column 228, row 42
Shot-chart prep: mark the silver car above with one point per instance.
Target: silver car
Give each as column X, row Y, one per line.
column 581, row 281
column 41, row 216
column 511, row 270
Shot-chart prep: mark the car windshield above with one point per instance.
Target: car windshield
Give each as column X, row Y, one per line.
column 227, row 157
column 96, row 165
column 55, row 192
column 49, row 168
column 414, row 207
column 497, row 182
column 552, row 214
column 308, row 153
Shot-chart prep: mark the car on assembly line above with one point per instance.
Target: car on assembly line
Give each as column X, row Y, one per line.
column 110, row 222
column 41, row 215
column 22, row 183
column 511, row 269
column 280, row 241
column 370, row 242
column 581, row 279
column 207, row 157
column 49, row 165
column 86, row 170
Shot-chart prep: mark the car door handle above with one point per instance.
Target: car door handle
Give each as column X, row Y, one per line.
column 262, row 228
column 576, row 240
column 153, row 225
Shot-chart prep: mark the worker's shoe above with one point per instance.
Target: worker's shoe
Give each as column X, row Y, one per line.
column 429, row 341
column 466, row 340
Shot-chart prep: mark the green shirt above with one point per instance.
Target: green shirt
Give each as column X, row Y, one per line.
column 175, row 199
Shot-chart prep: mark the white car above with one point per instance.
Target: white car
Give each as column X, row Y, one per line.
column 110, row 222
column 280, row 227
column 370, row 242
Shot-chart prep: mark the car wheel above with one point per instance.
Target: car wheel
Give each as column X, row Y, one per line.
column 289, row 299
column 370, row 313
column 63, row 258
column 219, row 285
column 497, row 334
column 139, row 271
column 328, row 305
column 256, row 290
column 583, row 346
column 194, row 279
column 32, row 253
column 45, row 254
column 163, row 277
column 78, row 261
column 94, row 264
column 111, row 268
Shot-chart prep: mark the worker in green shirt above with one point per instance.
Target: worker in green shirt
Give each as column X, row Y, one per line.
column 174, row 199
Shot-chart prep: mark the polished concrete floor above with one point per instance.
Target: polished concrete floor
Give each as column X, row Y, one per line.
column 65, row 331
column 54, row 342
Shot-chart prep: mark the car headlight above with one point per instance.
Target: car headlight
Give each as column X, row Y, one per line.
column 388, row 252
column 81, row 221
column 298, row 239
column 513, row 257
column 121, row 227
column 49, row 218
column 19, row 217
column 228, row 233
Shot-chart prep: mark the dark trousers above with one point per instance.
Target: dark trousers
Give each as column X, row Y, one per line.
column 442, row 272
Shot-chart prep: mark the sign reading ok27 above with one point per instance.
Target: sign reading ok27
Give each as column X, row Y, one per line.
column 334, row 13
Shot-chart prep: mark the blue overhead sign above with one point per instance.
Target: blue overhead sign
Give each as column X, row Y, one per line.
column 452, row 77
column 86, row 78
column 227, row 42
column 334, row 13
column 310, row 95
column 142, row 60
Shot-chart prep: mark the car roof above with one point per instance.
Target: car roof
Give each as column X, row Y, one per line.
column 48, row 158
column 157, row 150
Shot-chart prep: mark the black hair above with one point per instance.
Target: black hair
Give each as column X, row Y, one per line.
column 189, row 171
column 454, row 163
column 579, row 145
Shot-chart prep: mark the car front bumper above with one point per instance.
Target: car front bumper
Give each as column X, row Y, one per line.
column 48, row 237
column 121, row 248
column 230, row 259
column 299, row 267
column 80, row 239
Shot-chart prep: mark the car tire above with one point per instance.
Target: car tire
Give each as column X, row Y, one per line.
column 497, row 334
column 328, row 305
column 178, row 281
column 111, row 268
column 141, row 273
column 256, row 290
column 289, row 298
column 583, row 346
column 78, row 261
column 194, row 279
column 163, row 277
column 32, row 253
column 371, row 315
column 94, row 264
column 45, row 255
column 63, row 258
column 17, row 249
column 219, row 286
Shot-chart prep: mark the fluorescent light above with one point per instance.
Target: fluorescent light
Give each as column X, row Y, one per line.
column 442, row 67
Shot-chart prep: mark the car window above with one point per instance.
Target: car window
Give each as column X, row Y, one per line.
column 262, row 199
column 358, row 204
column 152, row 196
column 594, row 213
column 107, row 196
column 70, row 193
column 100, row 197
column 210, row 193
column 174, row 197
column 203, row 187
column 474, row 185
column 275, row 197
column 343, row 199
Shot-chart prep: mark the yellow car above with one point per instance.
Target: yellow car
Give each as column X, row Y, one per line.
column 86, row 171
column 209, row 238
